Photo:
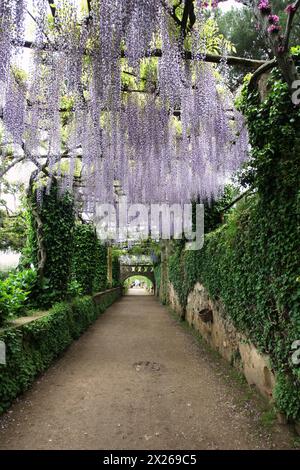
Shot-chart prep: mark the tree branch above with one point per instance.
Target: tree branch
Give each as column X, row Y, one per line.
column 187, row 13
column 295, row 6
column 34, row 19
column 285, row 61
column 7, row 209
column 9, row 167
column 213, row 58
column 216, row 59
column 171, row 12
column 89, row 16
column 266, row 67
column 237, row 199
column 52, row 8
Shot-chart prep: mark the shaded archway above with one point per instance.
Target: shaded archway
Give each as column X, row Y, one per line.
column 138, row 285
column 130, row 270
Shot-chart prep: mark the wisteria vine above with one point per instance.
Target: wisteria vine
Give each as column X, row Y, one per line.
column 169, row 141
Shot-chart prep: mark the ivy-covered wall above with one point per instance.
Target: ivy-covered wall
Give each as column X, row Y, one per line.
column 115, row 269
column 157, row 277
column 252, row 262
column 100, row 279
column 89, row 262
column 50, row 244
column 68, row 257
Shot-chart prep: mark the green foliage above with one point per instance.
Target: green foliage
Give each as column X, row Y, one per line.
column 31, row 348
column 147, row 247
column 115, row 267
column 274, row 135
column 12, row 224
column 177, row 272
column 89, row 265
column 4, row 274
column 57, row 218
column 239, row 26
column 143, row 280
column 215, row 39
column 74, row 288
column 12, row 231
column 100, row 278
column 157, row 275
column 19, row 75
column 67, row 105
column 75, row 260
column 14, row 293
column 295, row 50
column 287, row 395
column 214, row 210
column 252, row 262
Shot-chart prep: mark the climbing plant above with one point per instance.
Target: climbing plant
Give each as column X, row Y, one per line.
column 89, row 265
column 50, row 243
column 115, row 268
column 251, row 263
column 84, row 262
column 100, row 279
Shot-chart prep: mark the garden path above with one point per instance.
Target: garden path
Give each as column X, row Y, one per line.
column 137, row 379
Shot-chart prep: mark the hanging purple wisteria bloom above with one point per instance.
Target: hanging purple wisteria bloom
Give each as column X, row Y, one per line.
column 152, row 129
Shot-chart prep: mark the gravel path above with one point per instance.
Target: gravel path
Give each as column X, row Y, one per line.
column 138, row 380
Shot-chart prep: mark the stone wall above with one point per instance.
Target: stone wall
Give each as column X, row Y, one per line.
column 173, row 301
column 207, row 317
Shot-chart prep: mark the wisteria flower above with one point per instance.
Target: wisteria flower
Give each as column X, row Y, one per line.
column 136, row 143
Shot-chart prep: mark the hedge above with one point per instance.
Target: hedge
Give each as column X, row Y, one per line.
column 32, row 347
column 89, row 260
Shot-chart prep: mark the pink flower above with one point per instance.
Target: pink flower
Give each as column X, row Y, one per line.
column 273, row 19
column 290, row 8
column 274, row 28
column 205, row 4
column 264, row 7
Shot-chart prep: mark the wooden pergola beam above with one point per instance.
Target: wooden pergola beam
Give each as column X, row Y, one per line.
column 211, row 58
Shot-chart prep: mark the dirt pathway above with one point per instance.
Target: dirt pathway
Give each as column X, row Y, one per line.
column 137, row 380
